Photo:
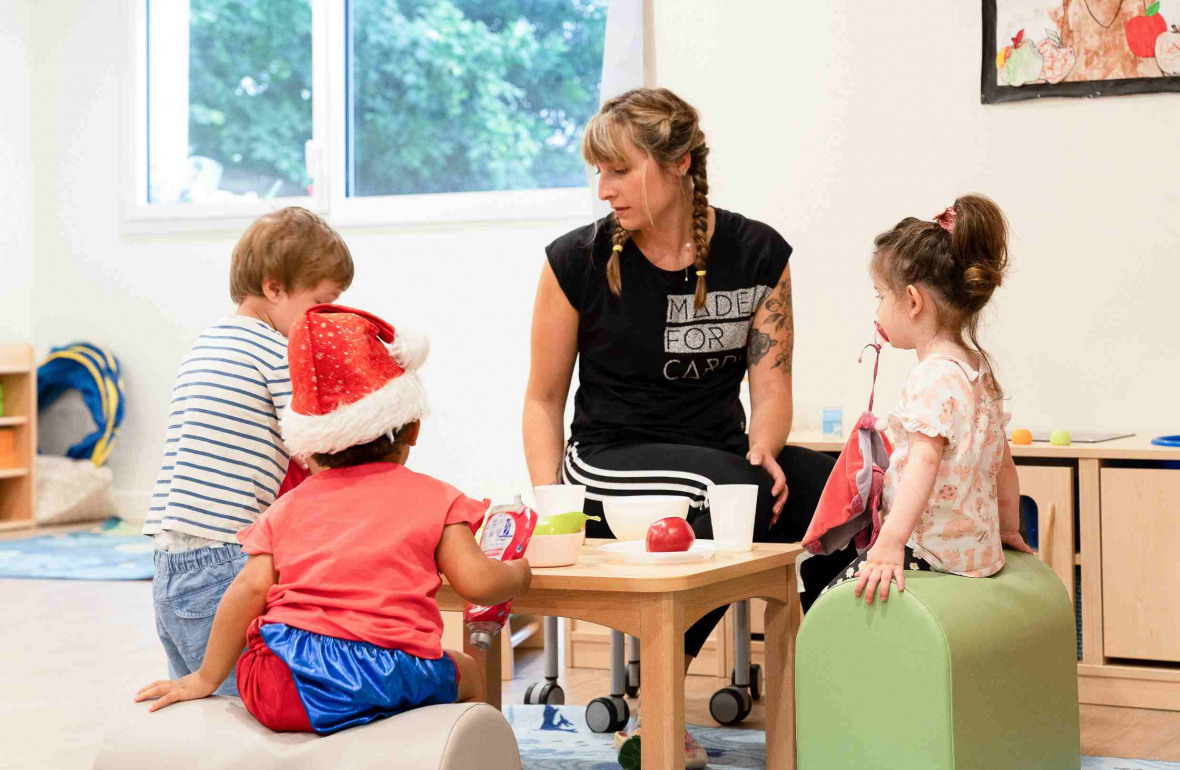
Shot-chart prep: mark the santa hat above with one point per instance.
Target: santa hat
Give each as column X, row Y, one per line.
column 348, row 388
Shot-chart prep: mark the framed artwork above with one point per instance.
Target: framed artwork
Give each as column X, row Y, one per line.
column 1079, row 48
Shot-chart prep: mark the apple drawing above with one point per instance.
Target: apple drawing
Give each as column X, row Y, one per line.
column 1142, row 31
column 1019, row 63
column 1167, row 51
column 1058, row 58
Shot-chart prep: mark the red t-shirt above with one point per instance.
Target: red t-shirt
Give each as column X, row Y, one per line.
column 354, row 552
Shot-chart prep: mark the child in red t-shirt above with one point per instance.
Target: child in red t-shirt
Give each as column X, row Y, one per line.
column 336, row 605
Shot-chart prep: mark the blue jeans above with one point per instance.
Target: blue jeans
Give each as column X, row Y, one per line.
column 186, row 591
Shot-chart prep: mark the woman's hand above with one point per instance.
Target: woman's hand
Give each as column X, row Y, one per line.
column 1014, row 541
column 759, row 456
column 884, row 563
column 169, row 691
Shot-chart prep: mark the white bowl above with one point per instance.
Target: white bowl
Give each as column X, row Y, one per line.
column 629, row 517
column 554, row 550
column 559, row 498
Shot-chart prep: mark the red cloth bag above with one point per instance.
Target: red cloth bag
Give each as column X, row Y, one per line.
column 850, row 506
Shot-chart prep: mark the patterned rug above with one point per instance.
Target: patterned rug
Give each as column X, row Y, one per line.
column 111, row 551
column 557, row 738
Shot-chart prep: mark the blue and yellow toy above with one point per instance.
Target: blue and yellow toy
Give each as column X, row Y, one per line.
column 96, row 374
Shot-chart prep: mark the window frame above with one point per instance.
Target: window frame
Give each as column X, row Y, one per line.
column 326, row 154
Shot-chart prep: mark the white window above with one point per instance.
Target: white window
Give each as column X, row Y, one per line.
column 364, row 110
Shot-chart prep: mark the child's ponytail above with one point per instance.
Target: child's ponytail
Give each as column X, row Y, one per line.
column 962, row 255
column 979, row 243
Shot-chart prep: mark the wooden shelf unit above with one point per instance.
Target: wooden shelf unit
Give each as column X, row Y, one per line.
column 1120, row 501
column 18, row 429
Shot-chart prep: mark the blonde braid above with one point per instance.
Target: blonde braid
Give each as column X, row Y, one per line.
column 700, row 217
column 614, row 276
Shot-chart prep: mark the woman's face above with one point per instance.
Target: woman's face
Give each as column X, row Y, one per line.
column 639, row 190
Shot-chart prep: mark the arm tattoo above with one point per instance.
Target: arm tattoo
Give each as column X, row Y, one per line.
column 783, row 362
column 781, row 320
column 760, row 344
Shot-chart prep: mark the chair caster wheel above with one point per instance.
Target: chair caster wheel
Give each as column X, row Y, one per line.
column 730, row 705
column 607, row 715
column 544, row 694
column 756, row 681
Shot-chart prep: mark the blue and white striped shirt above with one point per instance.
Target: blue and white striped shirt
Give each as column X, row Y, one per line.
column 224, row 458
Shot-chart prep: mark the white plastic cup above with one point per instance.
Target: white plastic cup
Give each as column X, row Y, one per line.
column 731, row 509
column 560, row 498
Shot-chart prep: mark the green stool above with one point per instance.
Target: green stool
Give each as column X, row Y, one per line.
column 954, row 674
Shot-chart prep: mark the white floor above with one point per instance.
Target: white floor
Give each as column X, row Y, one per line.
column 71, row 652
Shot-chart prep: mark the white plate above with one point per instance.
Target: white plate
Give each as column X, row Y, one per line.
column 635, row 552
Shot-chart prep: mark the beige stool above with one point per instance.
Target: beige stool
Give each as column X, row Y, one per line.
column 220, row 733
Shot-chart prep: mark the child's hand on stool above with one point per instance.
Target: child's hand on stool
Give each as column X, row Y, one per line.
column 169, row 691
column 1014, row 541
column 884, row 562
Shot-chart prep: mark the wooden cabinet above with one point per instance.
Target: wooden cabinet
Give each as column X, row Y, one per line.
column 1140, row 531
column 18, row 435
column 1052, row 489
column 588, row 646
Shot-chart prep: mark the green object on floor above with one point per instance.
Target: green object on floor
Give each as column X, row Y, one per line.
column 954, row 673
column 630, row 754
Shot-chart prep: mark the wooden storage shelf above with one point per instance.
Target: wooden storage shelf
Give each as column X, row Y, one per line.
column 1121, row 500
column 18, row 423
column 588, row 646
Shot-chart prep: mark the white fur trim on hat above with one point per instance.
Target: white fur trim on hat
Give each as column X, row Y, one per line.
column 399, row 402
column 410, row 349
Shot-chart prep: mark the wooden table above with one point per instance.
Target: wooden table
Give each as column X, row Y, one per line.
column 657, row 605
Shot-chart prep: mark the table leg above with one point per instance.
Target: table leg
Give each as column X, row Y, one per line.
column 782, row 624
column 661, row 640
column 489, row 661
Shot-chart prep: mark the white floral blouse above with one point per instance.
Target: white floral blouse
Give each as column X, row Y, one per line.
column 959, row 531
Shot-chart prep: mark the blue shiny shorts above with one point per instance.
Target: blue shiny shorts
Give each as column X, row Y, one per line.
column 343, row 683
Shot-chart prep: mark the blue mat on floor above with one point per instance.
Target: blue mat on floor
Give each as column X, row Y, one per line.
column 557, row 738
column 112, row 551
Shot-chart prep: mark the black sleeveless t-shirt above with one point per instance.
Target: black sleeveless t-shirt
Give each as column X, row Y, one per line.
column 652, row 367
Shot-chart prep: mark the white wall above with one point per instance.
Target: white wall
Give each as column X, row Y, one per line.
column 16, row 197
column 833, row 121
column 830, row 123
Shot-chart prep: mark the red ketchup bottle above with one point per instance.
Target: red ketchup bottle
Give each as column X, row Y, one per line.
column 506, row 533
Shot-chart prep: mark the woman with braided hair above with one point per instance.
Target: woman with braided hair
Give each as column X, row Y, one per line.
column 668, row 303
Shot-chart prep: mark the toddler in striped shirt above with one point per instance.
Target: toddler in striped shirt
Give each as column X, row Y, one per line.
column 224, row 459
